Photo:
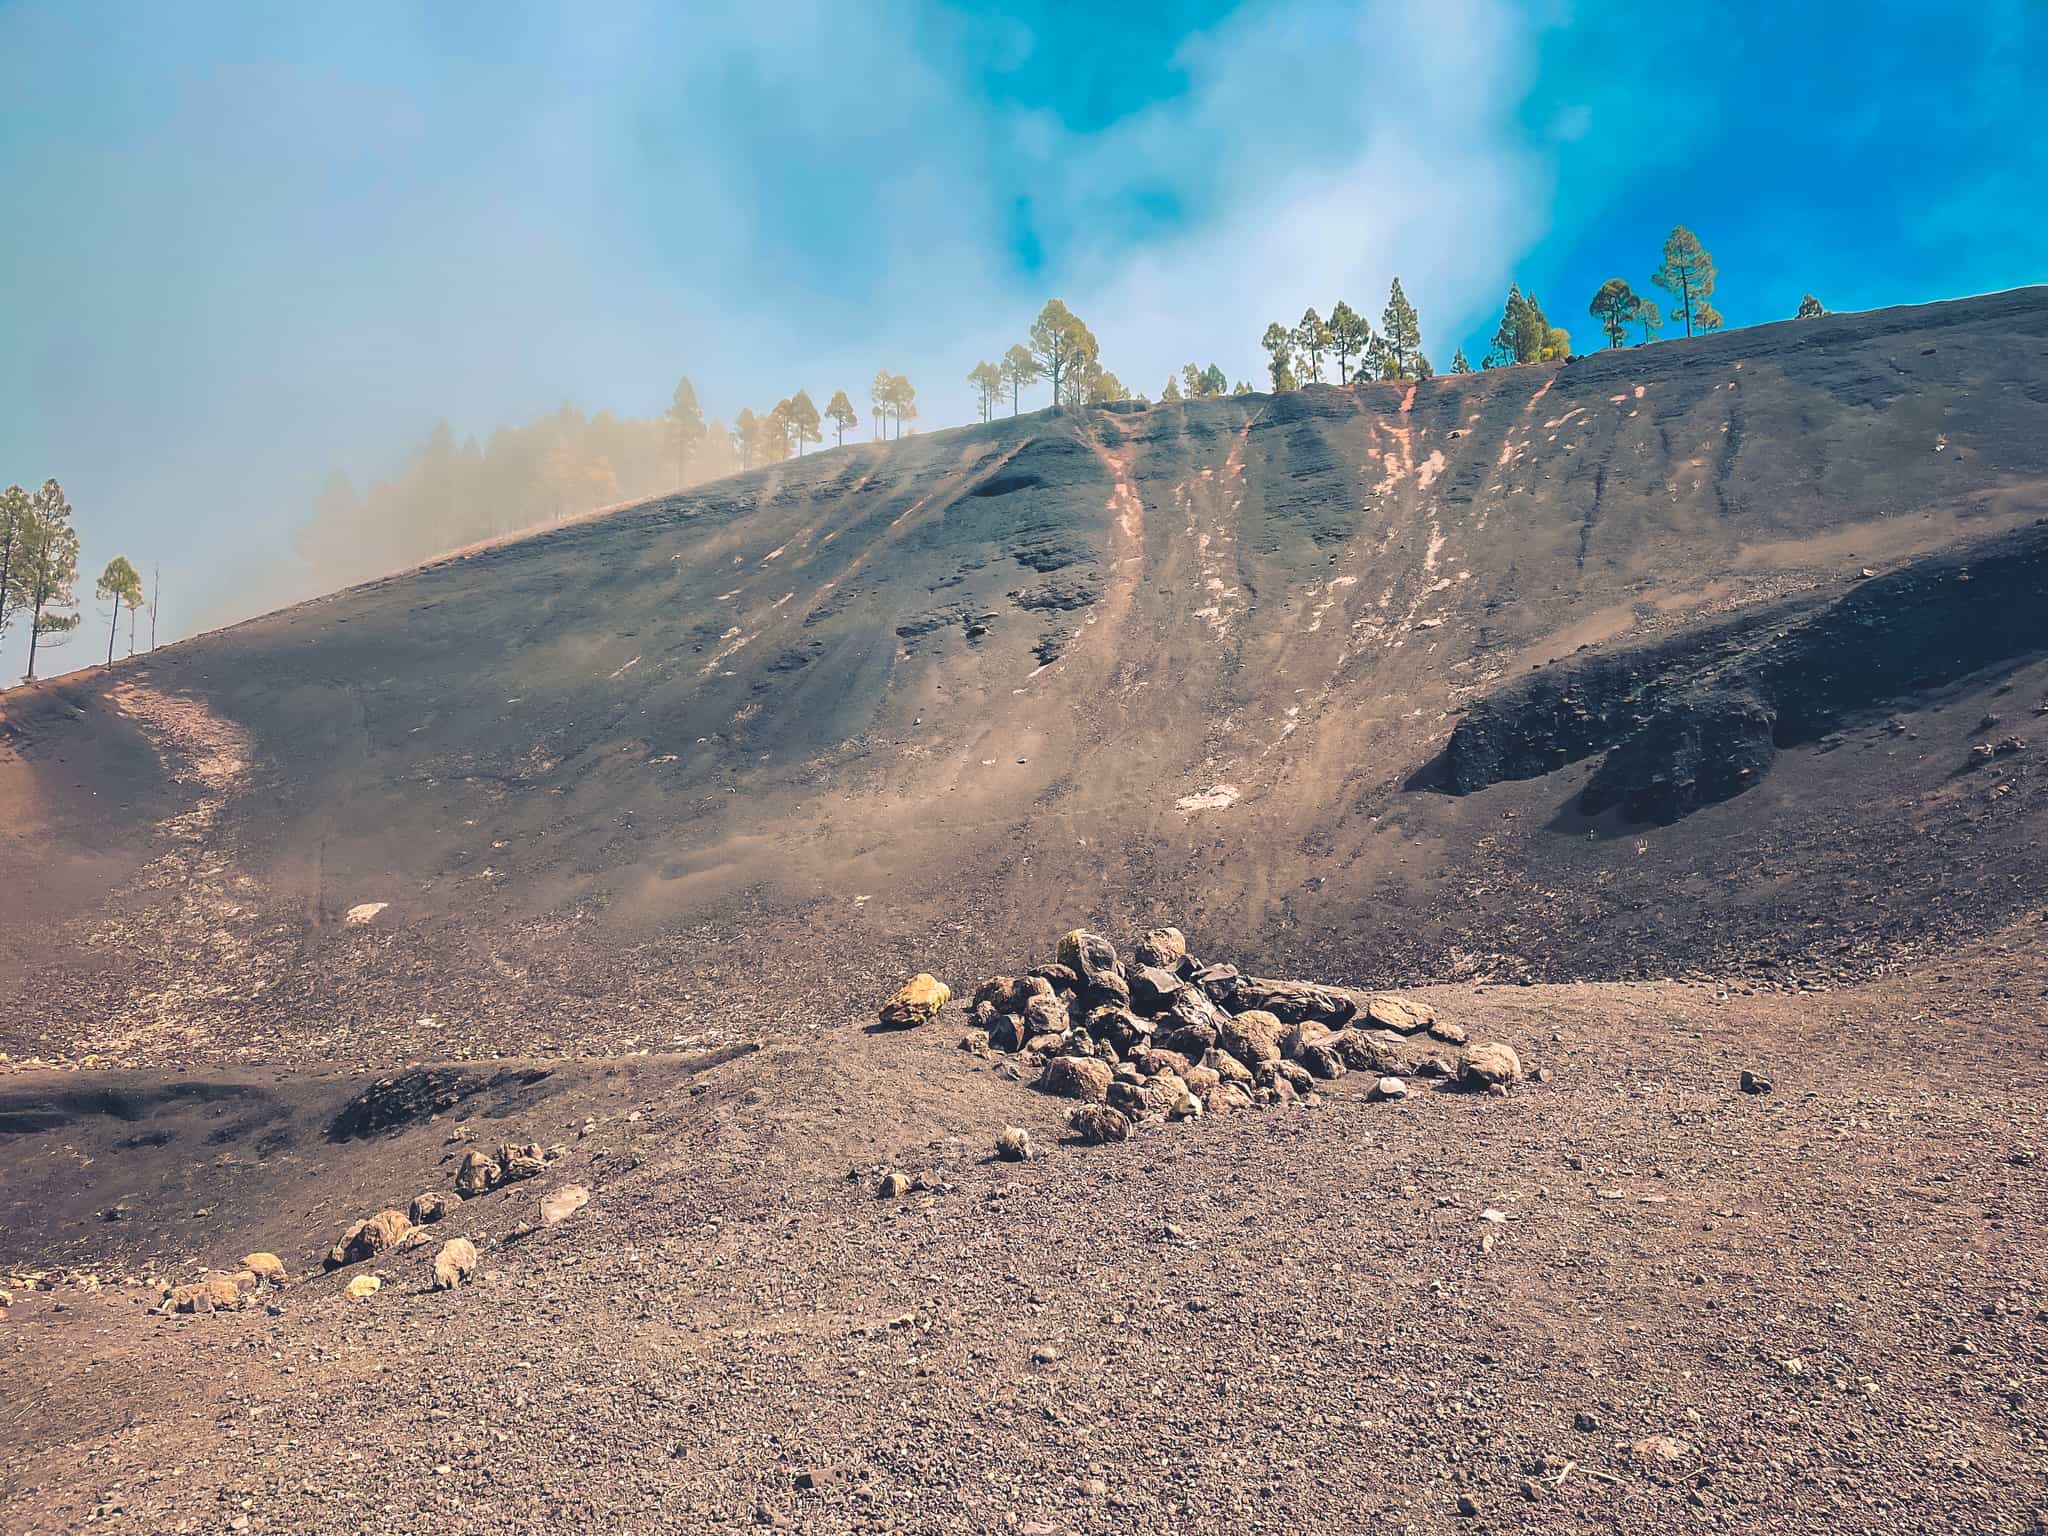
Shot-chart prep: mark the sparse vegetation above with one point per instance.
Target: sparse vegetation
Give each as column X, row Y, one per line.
column 1809, row 309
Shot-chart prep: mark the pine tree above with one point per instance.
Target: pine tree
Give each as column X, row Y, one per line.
column 841, row 414
column 803, row 421
column 1614, row 306
column 1172, row 390
column 746, row 435
column 16, row 510
column 51, row 551
column 687, row 422
column 1809, row 309
column 1019, row 369
column 1279, row 344
column 1058, row 339
column 1402, row 329
column 1687, row 274
column 1649, row 317
column 121, row 582
column 902, row 398
column 1458, row 363
column 987, row 379
column 1311, row 340
column 1214, row 380
column 1350, row 336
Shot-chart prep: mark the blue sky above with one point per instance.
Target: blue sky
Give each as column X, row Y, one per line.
column 252, row 243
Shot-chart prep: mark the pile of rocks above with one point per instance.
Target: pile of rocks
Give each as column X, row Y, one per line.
column 1163, row 1037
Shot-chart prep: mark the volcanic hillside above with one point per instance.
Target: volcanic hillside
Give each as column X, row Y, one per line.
column 1699, row 686
column 1332, row 669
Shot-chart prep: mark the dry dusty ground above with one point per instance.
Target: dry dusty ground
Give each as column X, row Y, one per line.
column 1298, row 1319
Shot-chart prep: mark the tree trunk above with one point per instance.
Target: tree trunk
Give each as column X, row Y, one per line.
column 113, row 629
column 35, row 633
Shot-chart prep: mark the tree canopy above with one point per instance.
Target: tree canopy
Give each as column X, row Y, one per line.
column 1809, row 309
column 1614, row 306
column 50, row 553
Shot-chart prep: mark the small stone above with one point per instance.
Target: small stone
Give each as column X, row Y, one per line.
column 454, row 1264
column 363, row 1286
column 1449, row 1033
column 1044, row 1354
column 268, row 1268
column 1585, row 1423
column 1661, row 1451
column 559, row 1205
column 431, row 1206
column 1013, row 1144
column 1390, row 1088
column 1531, row 1490
column 894, row 1186
column 1467, row 1505
column 1751, row 1083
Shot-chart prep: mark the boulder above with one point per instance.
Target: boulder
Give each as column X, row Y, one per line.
column 1192, row 1041
column 558, row 1205
column 1090, row 957
column 1294, row 1075
column 1323, row 1062
column 1119, row 1028
column 975, row 1042
column 1361, row 1052
column 344, row 1247
column 1013, row 1144
column 1390, row 1010
column 1045, row 1014
column 209, row 1293
column 386, row 1229
column 1153, row 1058
column 455, row 1263
column 430, row 1207
column 1077, row 1077
column 1152, row 989
column 1449, row 1033
column 1098, row 1124
column 1434, row 1066
column 1301, row 1036
column 1130, row 1098
column 1162, row 948
column 1199, row 1079
column 1009, row 1032
column 997, row 993
column 1108, row 988
column 892, row 1186
column 362, row 1287
column 1490, row 1065
column 1058, row 977
column 477, row 1175
column 1295, row 1002
column 521, row 1162
column 1390, row 1088
column 268, row 1268
column 1218, row 983
column 917, row 1001
column 1252, row 1037
column 1227, row 1067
